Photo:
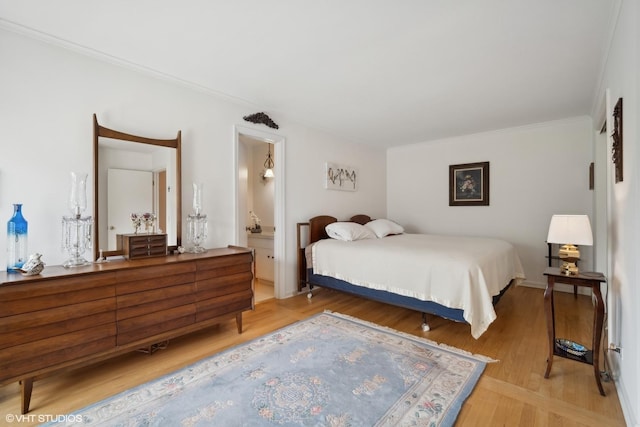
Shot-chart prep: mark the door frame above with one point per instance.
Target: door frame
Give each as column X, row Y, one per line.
column 278, row 142
column 602, row 205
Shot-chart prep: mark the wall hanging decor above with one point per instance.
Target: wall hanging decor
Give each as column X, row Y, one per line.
column 616, row 136
column 341, row 177
column 261, row 118
column 469, row 184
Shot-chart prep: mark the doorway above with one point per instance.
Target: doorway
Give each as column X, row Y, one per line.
column 261, row 197
column 603, row 190
column 128, row 191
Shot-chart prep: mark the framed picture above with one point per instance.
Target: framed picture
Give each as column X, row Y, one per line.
column 469, row 184
column 340, row 177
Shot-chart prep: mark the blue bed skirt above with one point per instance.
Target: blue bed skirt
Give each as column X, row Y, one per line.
column 429, row 307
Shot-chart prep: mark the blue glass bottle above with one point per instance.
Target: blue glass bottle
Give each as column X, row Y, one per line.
column 16, row 240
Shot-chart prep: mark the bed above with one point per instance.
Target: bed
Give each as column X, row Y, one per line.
column 458, row 278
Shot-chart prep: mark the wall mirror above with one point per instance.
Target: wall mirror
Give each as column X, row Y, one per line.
column 134, row 174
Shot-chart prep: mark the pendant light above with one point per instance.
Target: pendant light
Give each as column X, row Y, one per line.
column 268, row 165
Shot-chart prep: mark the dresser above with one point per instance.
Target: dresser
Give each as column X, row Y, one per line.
column 67, row 318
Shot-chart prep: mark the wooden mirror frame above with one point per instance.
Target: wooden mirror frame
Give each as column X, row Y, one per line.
column 101, row 131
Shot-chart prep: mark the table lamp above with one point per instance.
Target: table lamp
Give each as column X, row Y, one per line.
column 569, row 231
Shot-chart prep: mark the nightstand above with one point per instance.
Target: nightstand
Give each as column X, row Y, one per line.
column 591, row 357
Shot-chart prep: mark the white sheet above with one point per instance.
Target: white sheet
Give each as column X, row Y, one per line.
column 457, row 272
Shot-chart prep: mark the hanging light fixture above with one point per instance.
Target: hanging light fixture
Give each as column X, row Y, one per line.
column 268, row 165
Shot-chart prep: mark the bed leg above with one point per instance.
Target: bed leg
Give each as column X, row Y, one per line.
column 425, row 325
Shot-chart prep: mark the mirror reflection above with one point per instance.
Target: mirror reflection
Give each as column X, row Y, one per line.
column 135, row 175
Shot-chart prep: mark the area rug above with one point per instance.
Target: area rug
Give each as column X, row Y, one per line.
column 328, row 370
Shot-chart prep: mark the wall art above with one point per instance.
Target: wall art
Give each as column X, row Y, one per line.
column 469, row 184
column 616, row 136
column 340, row 177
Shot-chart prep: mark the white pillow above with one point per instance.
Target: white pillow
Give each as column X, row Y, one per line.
column 384, row 227
column 348, row 231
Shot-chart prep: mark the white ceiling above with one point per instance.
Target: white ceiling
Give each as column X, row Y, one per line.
column 384, row 72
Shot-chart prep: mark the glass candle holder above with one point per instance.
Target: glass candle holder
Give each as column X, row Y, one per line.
column 76, row 239
column 196, row 223
column 196, row 233
column 78, row 193
column 197, row 198
column 76, row 229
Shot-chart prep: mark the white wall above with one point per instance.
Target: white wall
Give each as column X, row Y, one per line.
column 49, row 95
column 622, row 79
column 535, row 171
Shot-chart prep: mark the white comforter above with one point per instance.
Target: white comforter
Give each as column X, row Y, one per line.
column 457, row 272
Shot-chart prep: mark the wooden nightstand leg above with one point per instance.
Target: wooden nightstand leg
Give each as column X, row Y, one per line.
column 598, row 320
column 550, row 315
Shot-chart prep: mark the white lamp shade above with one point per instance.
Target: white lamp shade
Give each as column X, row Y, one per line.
column 573, row 229
column 268, row 173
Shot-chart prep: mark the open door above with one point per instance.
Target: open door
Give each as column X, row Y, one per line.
column 244, row 167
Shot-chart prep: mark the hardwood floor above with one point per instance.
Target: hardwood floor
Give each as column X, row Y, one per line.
column 511, row 392
column 263, row 290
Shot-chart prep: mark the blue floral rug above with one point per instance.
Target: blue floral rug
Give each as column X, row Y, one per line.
column 328, row 370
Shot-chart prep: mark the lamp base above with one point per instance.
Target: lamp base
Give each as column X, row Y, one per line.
column 569, row 269
column 75, row 261
column 196, row 249
column 569, row 255
column 76, row 239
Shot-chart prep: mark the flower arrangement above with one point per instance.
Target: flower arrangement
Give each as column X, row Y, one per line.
column 256, row 223
column 138, row 219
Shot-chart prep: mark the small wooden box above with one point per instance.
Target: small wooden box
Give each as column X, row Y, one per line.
column 137, row 246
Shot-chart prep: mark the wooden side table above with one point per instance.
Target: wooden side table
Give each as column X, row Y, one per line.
column 591, row 357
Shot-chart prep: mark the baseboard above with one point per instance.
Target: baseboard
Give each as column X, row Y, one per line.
column 623, row 398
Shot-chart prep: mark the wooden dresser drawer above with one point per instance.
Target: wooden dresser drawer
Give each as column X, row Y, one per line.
column 54, row 322
column 231, row 303
column 155, row 323
column 140, row 279
column 154, row 301
column 30, row 358
column 47, row 294
column 244, row 259
column 224, row 285
column 142, row 245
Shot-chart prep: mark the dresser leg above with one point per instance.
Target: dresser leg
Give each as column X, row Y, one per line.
column 26, row 386
column 239, row 322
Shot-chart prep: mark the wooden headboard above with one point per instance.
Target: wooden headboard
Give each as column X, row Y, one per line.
column 317, row 231
column 360, row 219
column 317, row 226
